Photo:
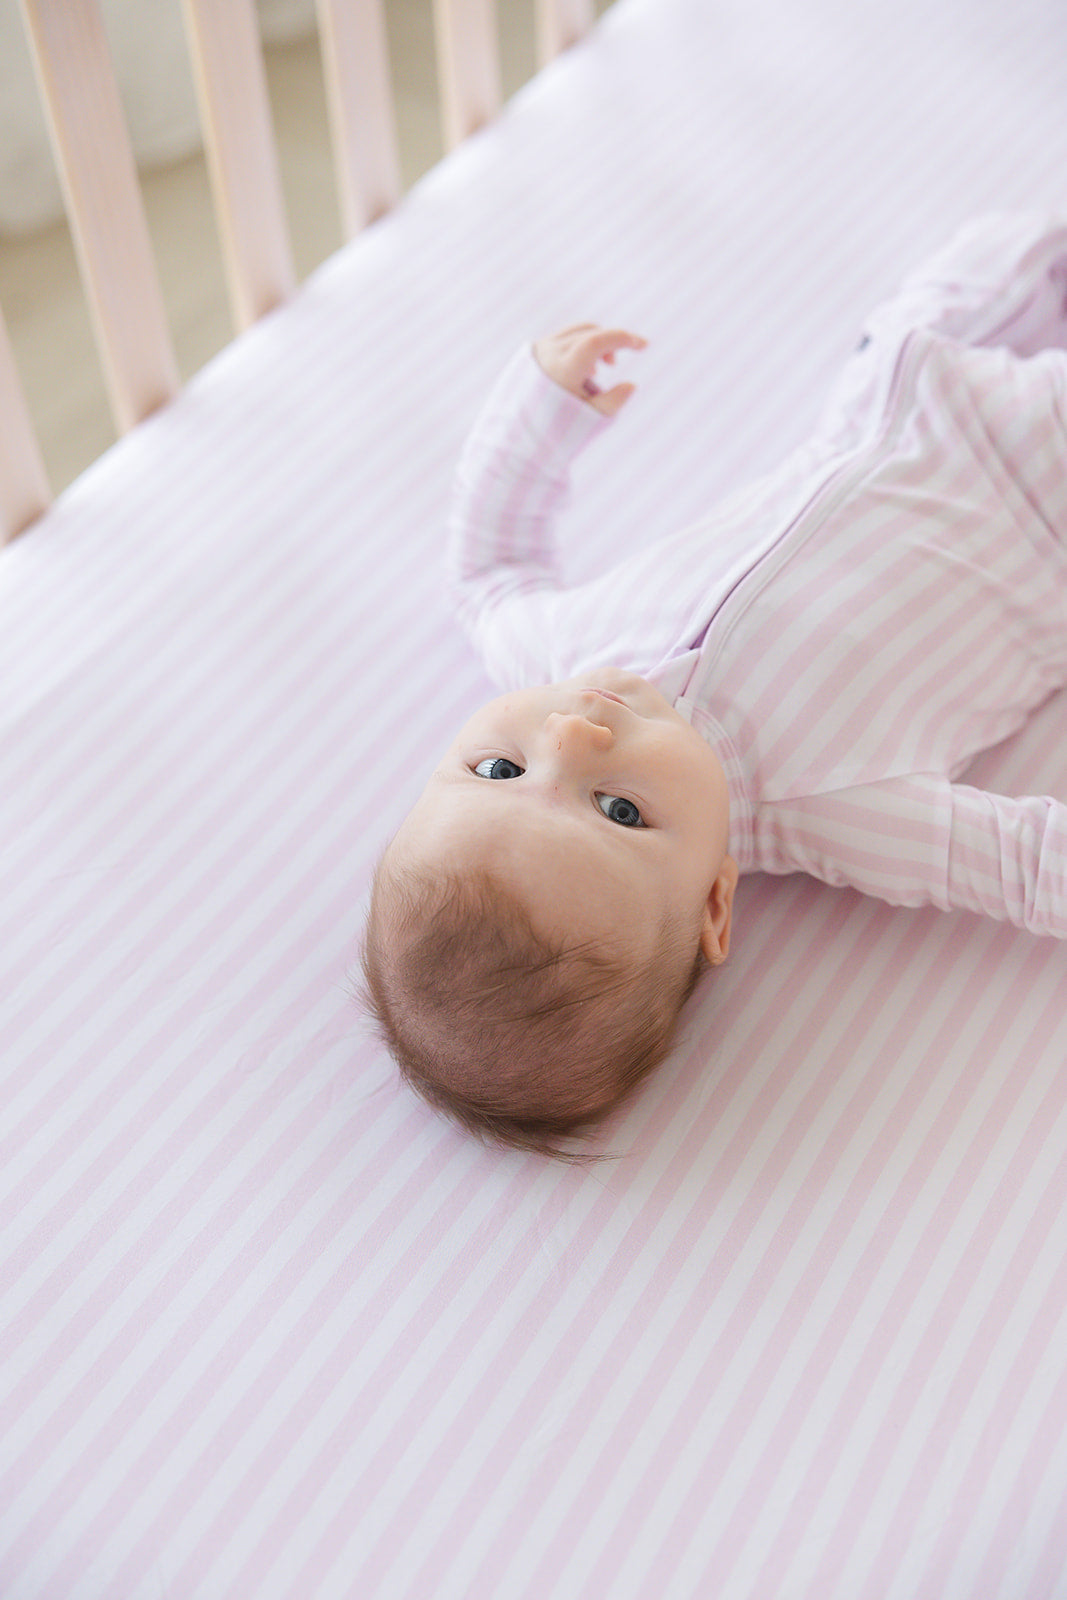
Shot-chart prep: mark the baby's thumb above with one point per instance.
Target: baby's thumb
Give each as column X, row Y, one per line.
column 613, row 400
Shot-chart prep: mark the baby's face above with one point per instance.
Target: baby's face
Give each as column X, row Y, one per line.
column 597, row 801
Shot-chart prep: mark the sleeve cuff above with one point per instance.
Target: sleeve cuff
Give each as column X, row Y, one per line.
column 556, row 424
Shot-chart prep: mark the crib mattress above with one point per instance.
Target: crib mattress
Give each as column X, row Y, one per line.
column 269, row 1327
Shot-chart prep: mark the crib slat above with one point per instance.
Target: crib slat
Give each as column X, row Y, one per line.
column 242, row 160
column 468, row 65
column 24, row 491
column 104, row 204
column 355, row 58
column 561, row 23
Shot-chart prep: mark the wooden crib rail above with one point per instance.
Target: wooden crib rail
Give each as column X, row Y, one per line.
column 103, row 198
column 359, row 92
column 235, row 117
column 103, row 201
column 561, row 23
column 24, row 491
column 468, row 63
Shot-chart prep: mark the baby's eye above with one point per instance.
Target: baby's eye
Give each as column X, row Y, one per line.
column 498, row 767
column 624, row 812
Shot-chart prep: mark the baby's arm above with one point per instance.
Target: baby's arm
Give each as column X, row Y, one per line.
column 921, row 840
column 512, row 483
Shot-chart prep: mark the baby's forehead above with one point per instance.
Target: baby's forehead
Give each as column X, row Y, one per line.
column 567, row 881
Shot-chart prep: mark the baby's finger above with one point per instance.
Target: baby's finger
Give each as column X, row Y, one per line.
column 604, row 342
column 574, row 328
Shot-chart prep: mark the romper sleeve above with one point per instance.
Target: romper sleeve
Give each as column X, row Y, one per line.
column 1008, row 858
column 511, row 484
column 998, row 281
column 921, row 840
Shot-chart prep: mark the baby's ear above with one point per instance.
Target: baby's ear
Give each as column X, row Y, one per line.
column 718, row 912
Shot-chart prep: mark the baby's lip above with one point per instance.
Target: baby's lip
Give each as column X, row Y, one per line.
column 607, row 695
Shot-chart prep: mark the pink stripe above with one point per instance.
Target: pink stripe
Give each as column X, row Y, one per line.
column 875, row 1362
column 1014, row 1526
column 377, row 1557
column 198, row 937
column 983, row 1466
column 248, row 1407
column 718, row 1463
column 198, row 1004
column 421, row 1391
column 721, row 1179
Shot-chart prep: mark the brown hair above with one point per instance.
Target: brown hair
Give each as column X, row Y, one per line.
column 522, row 1041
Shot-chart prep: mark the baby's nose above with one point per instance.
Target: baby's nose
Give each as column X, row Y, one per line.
column 569, row 733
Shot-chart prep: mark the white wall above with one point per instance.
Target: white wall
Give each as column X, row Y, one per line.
column 152, row 66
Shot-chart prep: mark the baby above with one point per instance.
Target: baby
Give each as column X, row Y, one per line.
column 795, row 683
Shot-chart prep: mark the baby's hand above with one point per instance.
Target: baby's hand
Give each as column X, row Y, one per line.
column 570, row 358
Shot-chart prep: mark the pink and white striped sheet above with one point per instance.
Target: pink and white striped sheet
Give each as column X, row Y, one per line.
column 268, row 1327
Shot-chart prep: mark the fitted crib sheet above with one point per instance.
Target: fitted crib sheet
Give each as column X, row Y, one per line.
column 269, row 1327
